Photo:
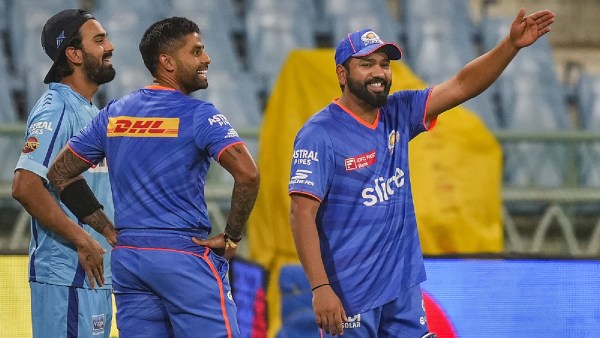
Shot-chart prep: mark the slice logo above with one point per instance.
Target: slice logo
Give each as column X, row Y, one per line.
column 382, row 188
column 360, row 161
column 142, row 126
column 31, row 145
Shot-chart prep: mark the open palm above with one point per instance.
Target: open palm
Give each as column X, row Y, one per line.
column 525, row 30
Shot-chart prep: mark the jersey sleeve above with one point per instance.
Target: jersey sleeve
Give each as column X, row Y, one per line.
column 412, row 104
column 214, row 133
column 47, row 131
column 312, row 163
column 89, row 143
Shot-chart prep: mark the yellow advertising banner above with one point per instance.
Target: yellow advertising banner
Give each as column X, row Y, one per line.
column 455, row 171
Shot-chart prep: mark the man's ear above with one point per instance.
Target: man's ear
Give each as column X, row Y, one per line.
column 341, row 72
column 74, row 55
column 167, row 62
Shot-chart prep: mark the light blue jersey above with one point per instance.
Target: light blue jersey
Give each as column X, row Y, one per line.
column 57, row 116
column 366, row 221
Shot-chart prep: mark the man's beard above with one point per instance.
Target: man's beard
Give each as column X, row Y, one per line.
column 189, row 80
column 361, row 91
column 96, row 72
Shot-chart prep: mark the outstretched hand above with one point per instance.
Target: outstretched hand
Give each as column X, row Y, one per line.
column 525, row 30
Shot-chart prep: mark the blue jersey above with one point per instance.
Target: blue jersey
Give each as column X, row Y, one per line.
column 158, row 144
column 366, row 221
column 57, row 116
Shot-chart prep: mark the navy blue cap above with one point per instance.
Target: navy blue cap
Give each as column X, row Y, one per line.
column 362, row 43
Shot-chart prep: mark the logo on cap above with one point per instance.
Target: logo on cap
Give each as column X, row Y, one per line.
column 60, row 38
column 370, row 38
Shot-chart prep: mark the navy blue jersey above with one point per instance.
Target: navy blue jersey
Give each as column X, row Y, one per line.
column 366, row 221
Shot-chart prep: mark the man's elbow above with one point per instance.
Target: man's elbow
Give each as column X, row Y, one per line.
column 250, row 177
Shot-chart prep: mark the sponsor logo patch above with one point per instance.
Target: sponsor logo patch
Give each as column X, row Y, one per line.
column 353, row 322
column 301, row 177
column 98, row 323
column 306, row 157
column 143, row 126
column 31, row 144
column 38, row 128
column 382, row 188
column 231, row 133
column 360, row 161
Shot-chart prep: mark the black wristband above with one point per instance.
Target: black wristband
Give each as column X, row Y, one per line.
column 79, row 198
column 320, row 285
column 233, row 239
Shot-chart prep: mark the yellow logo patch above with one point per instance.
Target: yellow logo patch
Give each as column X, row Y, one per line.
column 143, row 126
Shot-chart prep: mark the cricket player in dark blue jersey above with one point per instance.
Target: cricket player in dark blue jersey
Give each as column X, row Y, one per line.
column 352, row 212
column 169, row 280
column 65, row 246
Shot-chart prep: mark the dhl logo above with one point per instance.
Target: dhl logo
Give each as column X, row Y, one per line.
column 142, row 126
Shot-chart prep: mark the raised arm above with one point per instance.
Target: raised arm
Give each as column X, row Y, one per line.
column 480, row 73
column 65, row 174
column 240, row 164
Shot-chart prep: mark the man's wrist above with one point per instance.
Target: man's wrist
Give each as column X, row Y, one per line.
column 230, row 242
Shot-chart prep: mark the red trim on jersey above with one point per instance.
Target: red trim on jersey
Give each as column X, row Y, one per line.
column 361, row 121
column 81, row 157
column 428, row 125
column 305, row 193
column 159, row 87
column 227, row 147
column 210, row 265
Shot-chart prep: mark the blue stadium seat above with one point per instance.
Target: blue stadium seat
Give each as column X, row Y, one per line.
column 26, row 20
column 347, row 16
column 587, row 97
column 126, row 22
column 273, row 29
column 439, row 43
column 297, row 318
column 531, row 99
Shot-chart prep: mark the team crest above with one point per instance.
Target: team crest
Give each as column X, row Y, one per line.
column 370, row 38
column 98, row 324
column 393, row 138
column 31, row 144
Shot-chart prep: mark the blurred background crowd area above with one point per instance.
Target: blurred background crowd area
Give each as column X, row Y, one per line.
column 544, row 110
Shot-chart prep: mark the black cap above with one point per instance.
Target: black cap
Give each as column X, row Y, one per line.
column 57, row 34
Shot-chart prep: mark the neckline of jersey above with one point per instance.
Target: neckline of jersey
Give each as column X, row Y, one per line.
column 357, row 118
column 159, row 87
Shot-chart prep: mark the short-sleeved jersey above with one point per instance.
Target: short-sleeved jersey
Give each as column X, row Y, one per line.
column 158, row 143
column 366, row 221
column 57, row 116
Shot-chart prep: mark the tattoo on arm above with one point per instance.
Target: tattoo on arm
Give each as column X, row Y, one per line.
column 242, row 202
column 98, row 221
column 232, row 151
column 66, row 169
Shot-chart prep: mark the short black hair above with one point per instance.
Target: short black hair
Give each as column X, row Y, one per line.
column 63, row 68
column 164, row 36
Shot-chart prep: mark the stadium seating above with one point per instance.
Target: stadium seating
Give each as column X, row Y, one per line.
column 587, row 97
column 348, row 16
column 26, row 19
column 273, row 28
column 439, row 42
column 531, row 100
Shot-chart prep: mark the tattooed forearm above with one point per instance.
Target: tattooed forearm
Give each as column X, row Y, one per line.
column 98, row 221
column 233, row 152
column 66, row 169
column 242, row 202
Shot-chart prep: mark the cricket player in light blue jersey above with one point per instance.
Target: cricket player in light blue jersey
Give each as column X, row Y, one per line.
column 352, row 212
column 69, row 270
column 169, row 279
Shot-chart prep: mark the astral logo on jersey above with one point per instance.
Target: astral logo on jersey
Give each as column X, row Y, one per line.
column 360, row 161
column 383, row 189
column 300, row 177
column 31, row 144
column 353, row 322
column 306, row 157
column 142, row 126
column 219, row 119
column 39, row 127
